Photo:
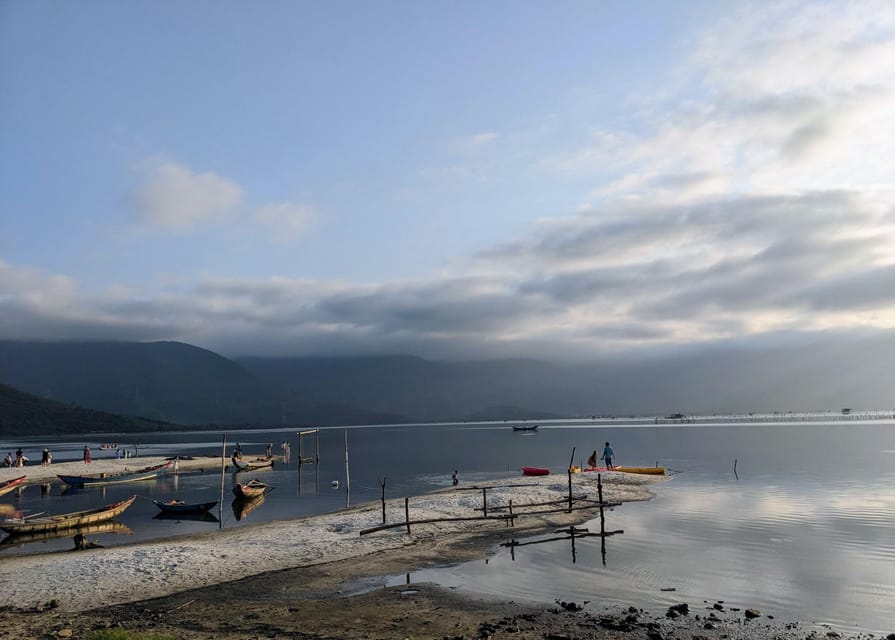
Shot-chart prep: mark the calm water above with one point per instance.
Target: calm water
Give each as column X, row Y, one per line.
column 805, row 532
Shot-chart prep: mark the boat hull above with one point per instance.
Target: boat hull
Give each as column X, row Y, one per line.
column 67, row 520
column 180, row 507
column 117, row 478
column 251, row 465
column 650, row 471
column 535, row 471
column 249, row 490
column 9, row 485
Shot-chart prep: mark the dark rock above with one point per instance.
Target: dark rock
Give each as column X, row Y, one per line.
column 752, row 613
column 671, row 613
column 557, row 636
column 682, row 608
column 654, row 635
column 570, row 606
column 891, row 636
column 708, row 625
column 718, row 606
column 832, row 634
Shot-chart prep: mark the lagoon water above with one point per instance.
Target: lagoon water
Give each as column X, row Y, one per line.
column 805, row 529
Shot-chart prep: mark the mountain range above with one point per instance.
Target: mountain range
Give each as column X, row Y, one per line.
column 174, row 382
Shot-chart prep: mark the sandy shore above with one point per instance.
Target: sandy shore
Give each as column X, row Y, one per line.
column 149, row 570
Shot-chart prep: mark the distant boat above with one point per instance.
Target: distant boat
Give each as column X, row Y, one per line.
column 66, row 520
column 533, row 427
column 251, row 465
column 9, row 485
column 535, row 471
column 179, row 506
column 108, row 445
column 116, row 478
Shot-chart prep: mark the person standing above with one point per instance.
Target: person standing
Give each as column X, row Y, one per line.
column 608, row 455
column 87, row 458
column 455, row 479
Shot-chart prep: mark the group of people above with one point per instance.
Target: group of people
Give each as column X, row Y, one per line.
column 19, row 461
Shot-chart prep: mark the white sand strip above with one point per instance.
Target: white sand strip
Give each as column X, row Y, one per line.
column 86, row 579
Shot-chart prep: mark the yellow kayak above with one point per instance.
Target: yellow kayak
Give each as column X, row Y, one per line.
column 653, row 471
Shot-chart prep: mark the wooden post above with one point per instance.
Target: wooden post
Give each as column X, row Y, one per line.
column 301, row 453
column 484, row 501
column 571, row 460
column 512, row 521
column 382, row 485
column 223, row 468
column 407, row 513
column 347, row 475
column 317, row 441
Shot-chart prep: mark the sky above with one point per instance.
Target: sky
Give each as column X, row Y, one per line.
column 452, row 180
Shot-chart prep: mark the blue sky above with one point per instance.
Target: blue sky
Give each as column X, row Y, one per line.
column 449, row 179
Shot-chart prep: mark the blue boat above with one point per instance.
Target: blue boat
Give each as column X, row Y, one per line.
column 116, row 478
column 179, row 506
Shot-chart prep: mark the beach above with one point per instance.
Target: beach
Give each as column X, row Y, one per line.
column 318, row 577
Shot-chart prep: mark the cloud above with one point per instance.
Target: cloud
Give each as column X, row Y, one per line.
column 173, row 196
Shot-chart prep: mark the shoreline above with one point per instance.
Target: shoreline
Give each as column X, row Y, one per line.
column 317, row 577
column 151, row 569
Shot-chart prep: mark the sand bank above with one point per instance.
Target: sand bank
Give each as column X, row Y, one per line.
column 83, row 580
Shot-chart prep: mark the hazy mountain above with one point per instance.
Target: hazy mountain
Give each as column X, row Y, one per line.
column 168, row 381
column 188, row 385
column 22, row 414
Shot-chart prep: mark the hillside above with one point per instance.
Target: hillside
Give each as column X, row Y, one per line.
column 22, row 414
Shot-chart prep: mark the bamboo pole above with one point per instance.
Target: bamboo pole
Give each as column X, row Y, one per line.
column 347, row 474
column 406, row 515
column 382, row 486
column 571, row 460
column 223, row 469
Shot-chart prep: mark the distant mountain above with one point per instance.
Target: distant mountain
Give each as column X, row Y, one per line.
column 22, row 414
column 181, row 383
column 167, row 381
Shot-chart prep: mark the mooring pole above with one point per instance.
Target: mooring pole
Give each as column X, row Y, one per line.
column 347, row 475
column 223, row 469
column 407, row 513
column 484, row 501
column 382, row 485
column 571, row 460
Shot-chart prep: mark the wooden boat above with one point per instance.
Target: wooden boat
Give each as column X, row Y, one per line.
column 43, row 536
column 244, row 506
column 108, row 445
column 115, row 478
column 9, row 485
column 535, row 471
column 179, row 506
column 66, row 520
column 251, row 489
column 251, row 465
column 533, row 427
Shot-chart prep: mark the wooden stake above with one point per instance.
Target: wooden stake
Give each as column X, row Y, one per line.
column 382, row 485
column 406, row 514
column 223, row 468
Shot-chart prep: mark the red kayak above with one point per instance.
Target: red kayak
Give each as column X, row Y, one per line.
column 535, row 471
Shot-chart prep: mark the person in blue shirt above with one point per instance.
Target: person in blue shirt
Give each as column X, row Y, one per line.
column 608, row 455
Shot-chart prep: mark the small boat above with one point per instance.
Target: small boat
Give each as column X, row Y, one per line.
column 9, row 485
column 66, row 520
column 244, row 506
column 179, row 506
column 535, row 471
column 251, row 465
column 108, row 445
column 115, row 478
column 651, row 471
column 251, row 489
column 533, row 427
